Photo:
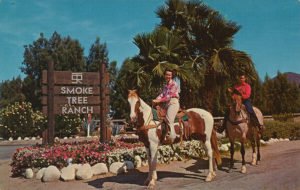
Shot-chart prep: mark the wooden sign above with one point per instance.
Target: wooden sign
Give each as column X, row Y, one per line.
column 74, row 100
column 67, row 92
column 73, row 78
column 73, row 109
column 75, row 90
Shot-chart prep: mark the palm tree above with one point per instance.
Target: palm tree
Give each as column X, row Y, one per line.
column 159, row 50
column 208, row 39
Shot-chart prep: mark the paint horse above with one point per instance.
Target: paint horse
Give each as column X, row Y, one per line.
column 239, row 127
column 150, row 133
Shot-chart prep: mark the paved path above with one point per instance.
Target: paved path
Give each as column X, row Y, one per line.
column 279, row 169
column 6, row 152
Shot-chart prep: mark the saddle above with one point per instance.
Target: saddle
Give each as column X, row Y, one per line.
column 190, row 126
column 160, row 113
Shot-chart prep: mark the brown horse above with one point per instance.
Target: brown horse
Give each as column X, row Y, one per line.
column 239, row 127
column 151, row 133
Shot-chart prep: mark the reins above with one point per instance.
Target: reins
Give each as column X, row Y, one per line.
column 237, row 122
column 146, row 127
column 243, row 120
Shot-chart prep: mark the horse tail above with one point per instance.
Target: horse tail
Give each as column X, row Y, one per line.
column 214, row 144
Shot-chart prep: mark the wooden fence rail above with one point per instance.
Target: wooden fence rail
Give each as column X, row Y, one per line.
column 265, row 116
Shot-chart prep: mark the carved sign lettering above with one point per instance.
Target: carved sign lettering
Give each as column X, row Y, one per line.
column 76, row 93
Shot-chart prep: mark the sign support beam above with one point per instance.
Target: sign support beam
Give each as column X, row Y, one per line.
column 48, row 136
column 103, row 128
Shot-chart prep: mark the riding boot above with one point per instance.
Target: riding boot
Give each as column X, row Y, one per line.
column 254, row 121
column 171, row 134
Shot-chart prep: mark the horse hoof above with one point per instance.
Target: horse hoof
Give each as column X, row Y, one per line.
column 243, row 169
column 147, row 182
column 214, row 174
column 254, row 159
column 151, row 185
column 210, row 176
column 257, row 162
column 208, row 179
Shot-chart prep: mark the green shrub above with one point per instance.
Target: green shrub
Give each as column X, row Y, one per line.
column 67, row 125
column 283, row 117
column 279, row 129
column 19, row 120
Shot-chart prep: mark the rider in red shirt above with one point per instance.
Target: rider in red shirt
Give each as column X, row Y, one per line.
column 243, row 89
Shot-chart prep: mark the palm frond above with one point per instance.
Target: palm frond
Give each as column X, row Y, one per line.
column 230, row 62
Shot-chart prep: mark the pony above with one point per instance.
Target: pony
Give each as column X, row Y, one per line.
column 150, row 133
column 238, row 126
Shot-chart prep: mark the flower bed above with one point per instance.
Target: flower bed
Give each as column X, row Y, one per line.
column 39, row 156
column 93, row 152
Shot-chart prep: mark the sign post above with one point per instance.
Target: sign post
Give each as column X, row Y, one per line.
column 48, row 134
column 66, row 92
column 103, row 128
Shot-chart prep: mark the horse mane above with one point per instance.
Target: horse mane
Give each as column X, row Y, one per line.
column 237, row 104
column 134, row 94
column 140, row 121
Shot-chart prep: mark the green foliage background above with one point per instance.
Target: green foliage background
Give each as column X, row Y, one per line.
column 280, row 129
column 19, row 120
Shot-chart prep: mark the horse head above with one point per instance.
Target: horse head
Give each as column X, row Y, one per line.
column 238, row 113
column 237, row 103
column 136, row 116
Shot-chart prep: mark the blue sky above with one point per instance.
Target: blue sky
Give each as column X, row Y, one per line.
column 270, row 31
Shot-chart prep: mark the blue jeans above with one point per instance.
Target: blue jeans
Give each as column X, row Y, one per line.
column 248, row 106
column 253, row 116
